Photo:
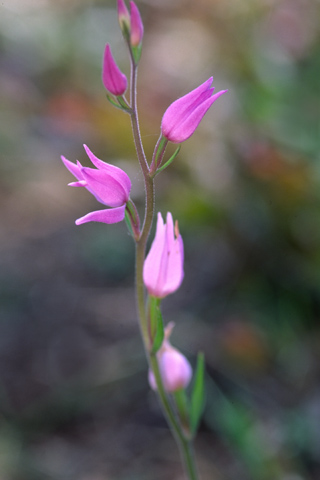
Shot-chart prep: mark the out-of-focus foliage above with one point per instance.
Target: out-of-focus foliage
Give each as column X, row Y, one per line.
column 74, row 398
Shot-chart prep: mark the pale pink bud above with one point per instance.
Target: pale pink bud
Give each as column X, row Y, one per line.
column 112, row 77
column 136, row 32
column 163, row 266
column 175, row 370
column 181, row 119
column 123, row 16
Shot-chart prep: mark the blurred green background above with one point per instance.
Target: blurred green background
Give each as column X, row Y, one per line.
column 74, row 398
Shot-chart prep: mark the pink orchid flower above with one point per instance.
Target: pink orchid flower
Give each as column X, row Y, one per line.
column 109, row 184
column 175, row 370
column 183, row 116
column 113, row 79
column 163, row 266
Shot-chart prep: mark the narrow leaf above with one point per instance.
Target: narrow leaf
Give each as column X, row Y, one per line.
column 159, row 335
column 182, row 404
column 169, row 161
column 128, row 222
column 160, row 149
column 197, row 396
column 123, row 104
column 117, row 105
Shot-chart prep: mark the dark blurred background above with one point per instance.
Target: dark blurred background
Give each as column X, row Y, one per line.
column 74, row 398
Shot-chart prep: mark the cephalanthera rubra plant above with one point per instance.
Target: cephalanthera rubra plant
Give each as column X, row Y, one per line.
column 160, row 272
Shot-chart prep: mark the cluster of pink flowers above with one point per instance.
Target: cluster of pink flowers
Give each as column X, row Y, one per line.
column 163, row 267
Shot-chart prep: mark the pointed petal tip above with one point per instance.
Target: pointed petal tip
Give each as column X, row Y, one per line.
column 87, row 149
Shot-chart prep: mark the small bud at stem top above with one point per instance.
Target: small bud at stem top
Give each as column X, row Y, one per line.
column 124, row 18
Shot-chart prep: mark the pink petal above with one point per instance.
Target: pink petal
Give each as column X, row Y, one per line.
column 112, row 215
column 165, row 256
column 80, row 183
column 152, row 380
column 152, row 264
column 171, row 271
column 163, row 267
column 176, row 371
column 73, row 168
column 112, row 77
column 105, row 187
column 174, row 273
column 123, row 14
column 116, row 172
column 183, row 130
column 177, row 109
column 136, row 33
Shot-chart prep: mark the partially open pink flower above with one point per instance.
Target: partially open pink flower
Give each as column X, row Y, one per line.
column 136, row 32
column 113, row 79
column 163, row 266
column 109, row 184
column 175, row 370
column 184, row 115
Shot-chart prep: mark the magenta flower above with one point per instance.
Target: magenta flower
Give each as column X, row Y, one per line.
column 175, row 370
column 113, row 79
column 163, row 266
column 109, row 184
column 136, row 32
column 184, row 115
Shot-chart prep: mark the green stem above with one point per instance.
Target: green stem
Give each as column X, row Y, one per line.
column 135, row 121
column 184, row 444
column 149, row 208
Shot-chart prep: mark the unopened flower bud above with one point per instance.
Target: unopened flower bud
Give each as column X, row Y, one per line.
column 183, row 116
column 124, row 18
column 175, row 370
column 136, row 30
column 113, row 79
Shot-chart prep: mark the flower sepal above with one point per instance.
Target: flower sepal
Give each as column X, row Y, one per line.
column 120, row 103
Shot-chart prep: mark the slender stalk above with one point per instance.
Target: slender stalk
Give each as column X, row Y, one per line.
column 184, row 444
column 135, row 120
